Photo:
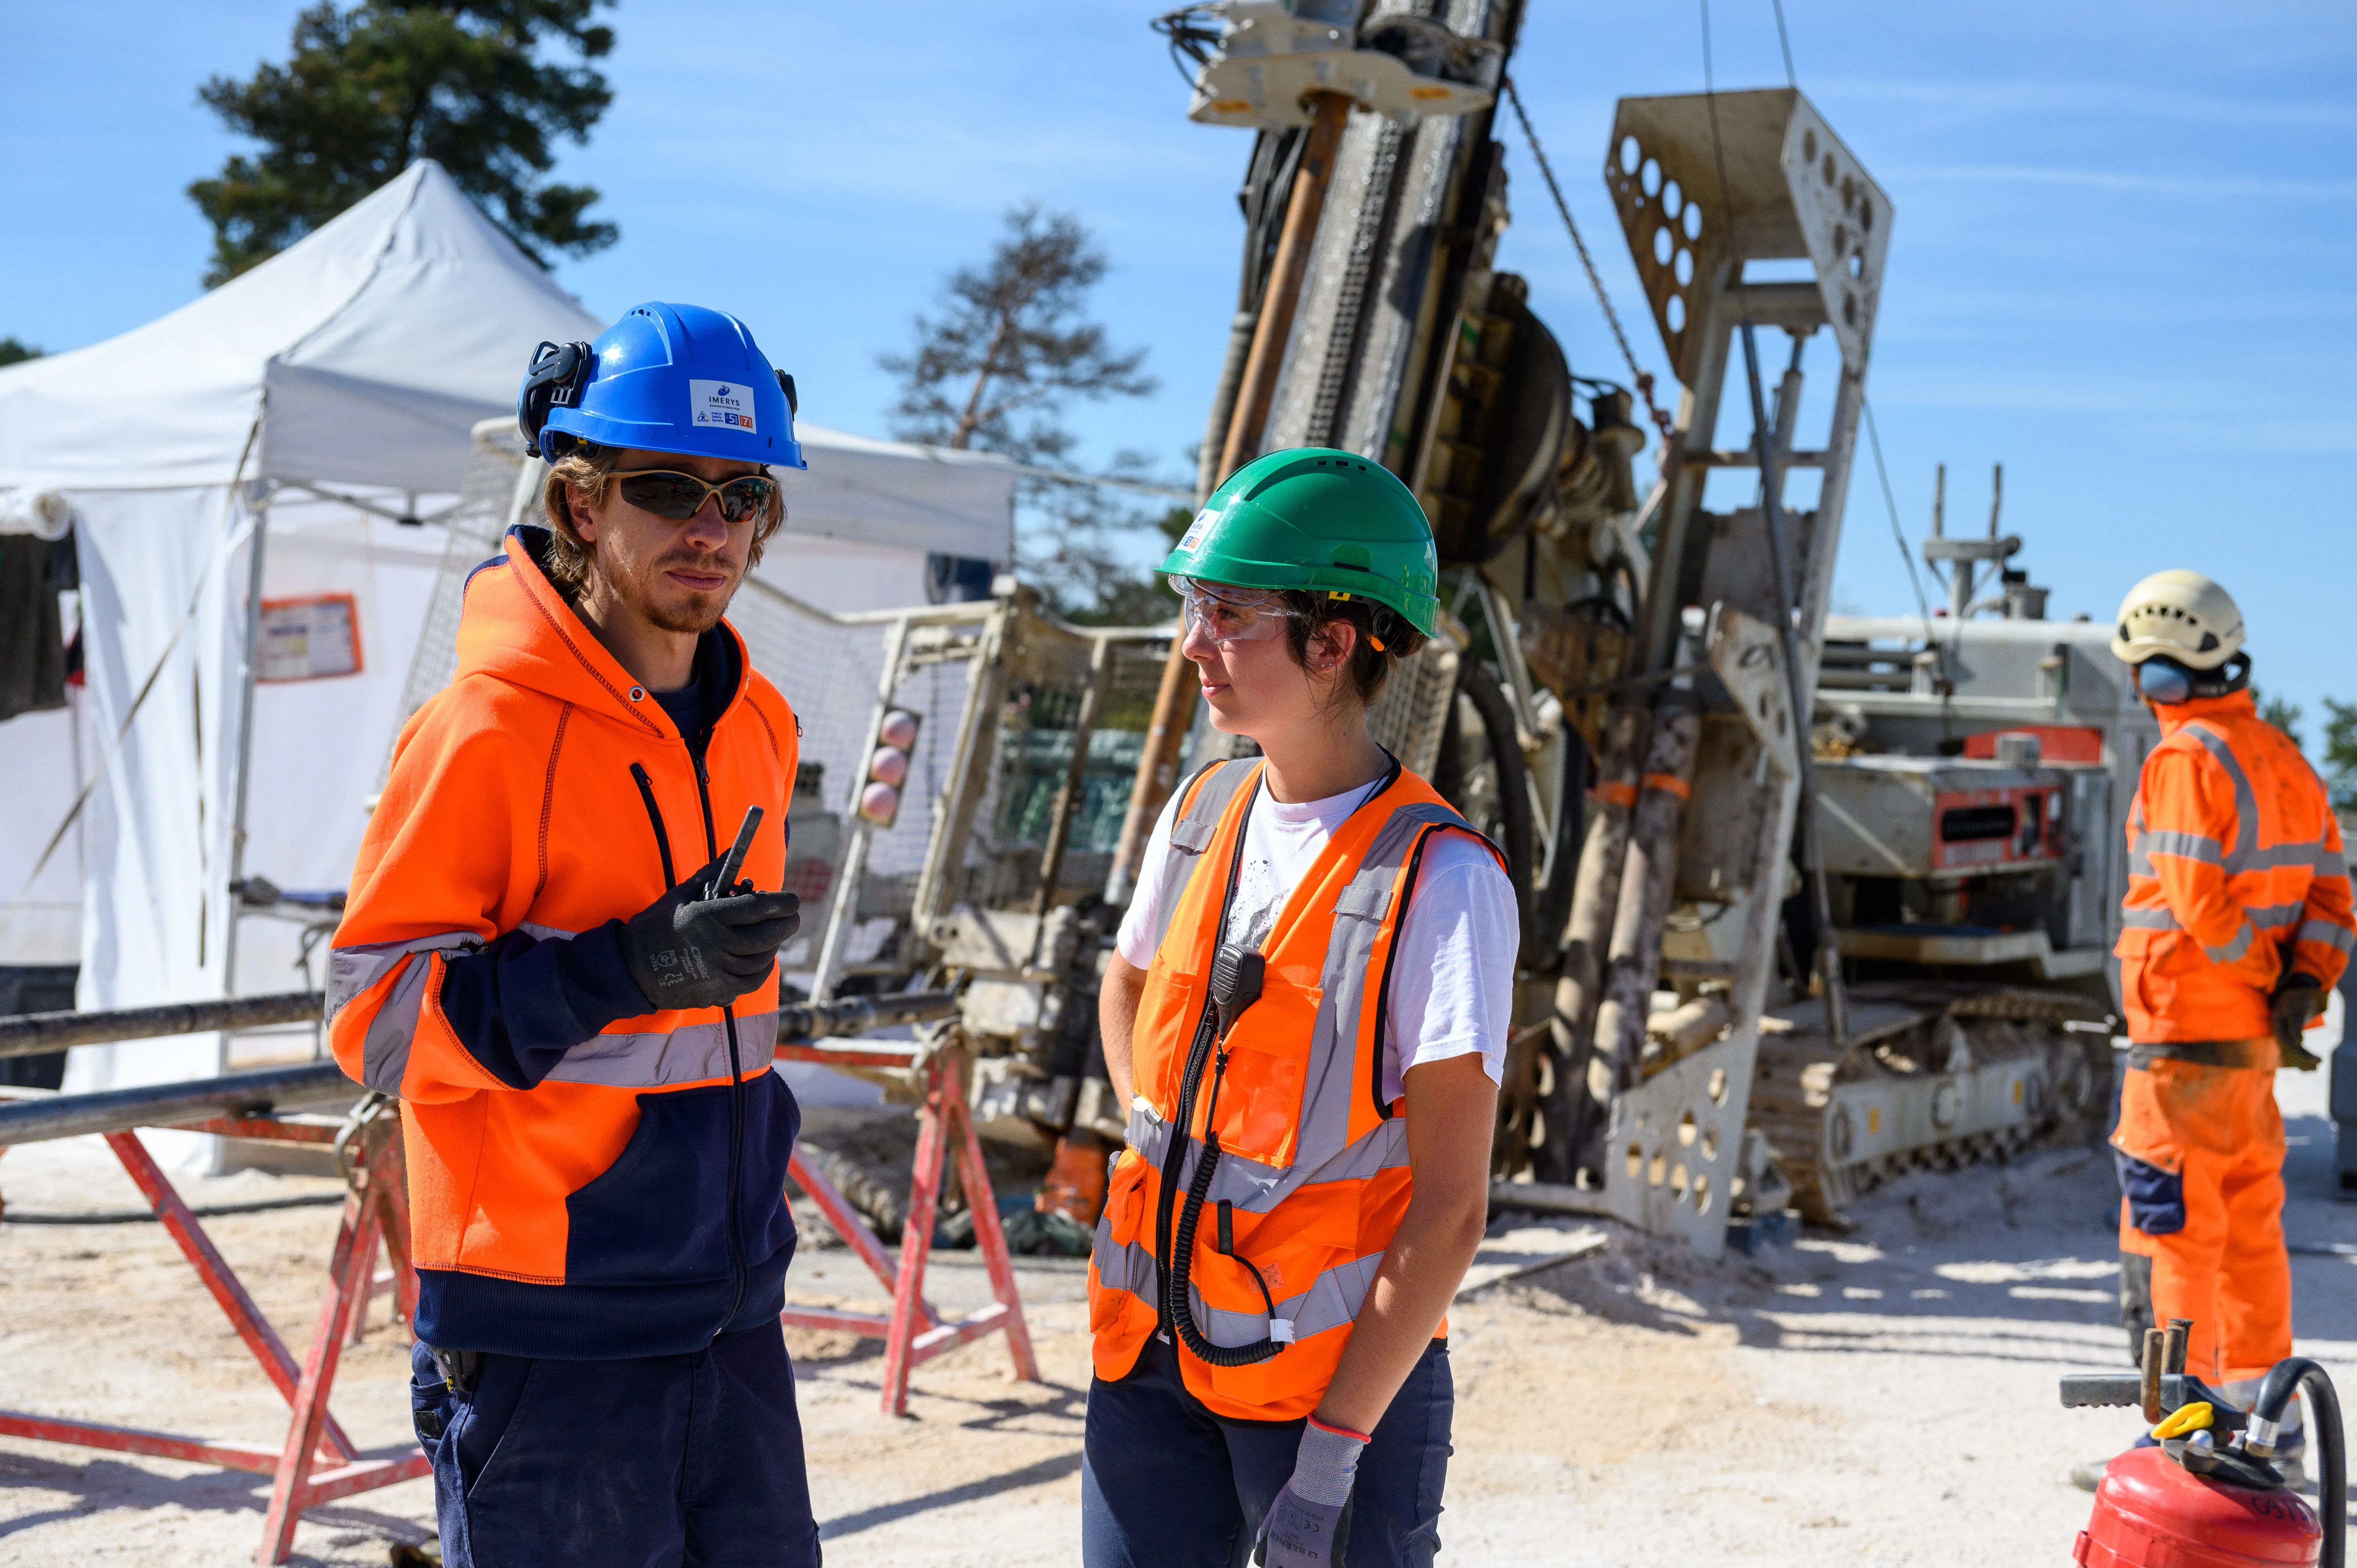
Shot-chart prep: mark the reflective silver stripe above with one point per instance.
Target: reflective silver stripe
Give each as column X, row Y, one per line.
column 1127, row 1266
column 1332, row 1300
column 689, row 1055
column 1360, row 913
column 2276, row 856
column 2330, row 863
column 2185, row 846
column 2331, row 935
column 2149, row 920
column 2236, row 949
column 352, row 969
column 1149, row 1135
column 2267, row 916
column 1192, row 833
column 385, row 1048
column 2246, row 800
column 1259, row 1188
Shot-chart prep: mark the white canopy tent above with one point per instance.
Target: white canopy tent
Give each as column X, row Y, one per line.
column 318, row 406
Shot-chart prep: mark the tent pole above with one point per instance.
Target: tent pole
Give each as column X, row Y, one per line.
column 248, row 669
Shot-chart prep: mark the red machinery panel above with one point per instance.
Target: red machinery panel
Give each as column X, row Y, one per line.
column 1982, row 828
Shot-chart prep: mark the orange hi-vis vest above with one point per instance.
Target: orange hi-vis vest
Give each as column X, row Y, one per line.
column 1307, row 1172
column 2235, row 875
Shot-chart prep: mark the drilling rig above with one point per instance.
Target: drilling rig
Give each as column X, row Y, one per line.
column 1805, row 901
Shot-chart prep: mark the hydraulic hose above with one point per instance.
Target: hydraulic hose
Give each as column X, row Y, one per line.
column 2332, row 1480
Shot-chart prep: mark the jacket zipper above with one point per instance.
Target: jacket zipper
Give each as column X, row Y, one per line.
column 737, row 1264
column 737, row 1270
column 654, row 815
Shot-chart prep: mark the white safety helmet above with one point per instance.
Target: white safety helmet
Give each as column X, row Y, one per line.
column 2179, row 615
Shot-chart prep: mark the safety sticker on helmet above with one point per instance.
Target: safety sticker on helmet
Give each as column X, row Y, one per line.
column 721, row 402
column 1196, row 529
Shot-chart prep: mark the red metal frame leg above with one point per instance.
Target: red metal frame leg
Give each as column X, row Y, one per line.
column 988, row 1235
column 916, row 1237
column 371, row 1233
column 847, row 1222
column 350, row 1274
column 391, row 1190
column 252, row 1327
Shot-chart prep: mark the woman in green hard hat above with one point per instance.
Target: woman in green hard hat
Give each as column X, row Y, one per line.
column 1307, row 1013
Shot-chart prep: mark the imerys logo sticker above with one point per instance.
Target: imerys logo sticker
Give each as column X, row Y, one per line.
column 721, row 402
column 1198, row 528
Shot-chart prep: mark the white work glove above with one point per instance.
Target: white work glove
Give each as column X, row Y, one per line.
column 1310, row 1524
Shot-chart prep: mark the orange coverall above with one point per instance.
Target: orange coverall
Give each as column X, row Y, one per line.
column 2235, row 877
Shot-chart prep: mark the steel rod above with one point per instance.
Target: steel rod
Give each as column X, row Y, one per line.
column 1173, row 703
column 168, row 1104
column 32, row 1034
column 323, row 1083
column 858, row 1015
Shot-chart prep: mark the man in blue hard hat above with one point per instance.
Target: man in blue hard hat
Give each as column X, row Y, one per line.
column 581, row 1035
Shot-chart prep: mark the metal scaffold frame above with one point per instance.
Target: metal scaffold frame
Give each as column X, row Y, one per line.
column 914, row 1332
column 318, row 1461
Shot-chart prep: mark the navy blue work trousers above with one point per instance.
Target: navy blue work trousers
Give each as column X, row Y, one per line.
column 662, row 1462
column 1166, row 1484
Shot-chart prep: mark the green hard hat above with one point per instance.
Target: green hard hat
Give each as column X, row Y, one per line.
column 1319, row 519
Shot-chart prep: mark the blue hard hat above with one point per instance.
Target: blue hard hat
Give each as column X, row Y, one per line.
column 665, row 378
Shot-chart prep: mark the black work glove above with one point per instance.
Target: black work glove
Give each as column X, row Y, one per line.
column 687, row 950
column 2297, row 998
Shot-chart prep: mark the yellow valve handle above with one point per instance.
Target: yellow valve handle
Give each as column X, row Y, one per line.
column 2185, row 1418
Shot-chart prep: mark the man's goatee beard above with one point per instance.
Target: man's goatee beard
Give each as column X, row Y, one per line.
column 695, row 622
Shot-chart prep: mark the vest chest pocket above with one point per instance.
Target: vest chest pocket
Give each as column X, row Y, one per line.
column 1269, row 1050
column 1168, row 1008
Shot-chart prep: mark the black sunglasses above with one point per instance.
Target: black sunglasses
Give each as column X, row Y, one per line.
column 667, row 492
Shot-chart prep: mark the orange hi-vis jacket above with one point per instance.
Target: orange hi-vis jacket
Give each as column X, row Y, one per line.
column 1312, row 1172
column 588, row 1179
column 2235, row 875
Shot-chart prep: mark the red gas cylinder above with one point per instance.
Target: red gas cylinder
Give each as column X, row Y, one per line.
column 2151, row 1513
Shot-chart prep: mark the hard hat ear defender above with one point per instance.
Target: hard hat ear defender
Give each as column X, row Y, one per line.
column 2163, row 679
column 558, row 372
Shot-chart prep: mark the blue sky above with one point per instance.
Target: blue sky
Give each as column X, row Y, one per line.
column 2120, row 263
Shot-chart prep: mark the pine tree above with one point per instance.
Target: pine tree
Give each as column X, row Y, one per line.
column 2341, row 753
column 369, row 90
column 994, row 371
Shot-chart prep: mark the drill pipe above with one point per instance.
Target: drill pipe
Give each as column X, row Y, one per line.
column 1634, row 964
column 1573, row 1114
column 315, row 1084
column 31, row 1034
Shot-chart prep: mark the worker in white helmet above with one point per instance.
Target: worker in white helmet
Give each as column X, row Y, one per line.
column 2237, row 922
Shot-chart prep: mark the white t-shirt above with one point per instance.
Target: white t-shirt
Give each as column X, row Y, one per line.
column 1453, row 980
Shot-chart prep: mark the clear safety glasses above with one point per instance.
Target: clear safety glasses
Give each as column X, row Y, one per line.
column 1232, row 615
column 667, row 492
